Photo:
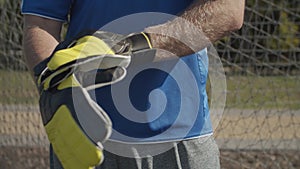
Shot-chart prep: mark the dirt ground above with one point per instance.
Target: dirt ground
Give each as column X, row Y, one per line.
column 279, row 159
column 18, row 129
column 37, row 158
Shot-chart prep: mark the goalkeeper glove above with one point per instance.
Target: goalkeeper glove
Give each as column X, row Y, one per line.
column 75, row 124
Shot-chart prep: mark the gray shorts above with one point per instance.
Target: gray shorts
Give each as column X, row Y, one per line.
column 201, row 153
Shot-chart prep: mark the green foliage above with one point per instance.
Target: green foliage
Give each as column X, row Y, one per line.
column 274, row 24
column 286, row 34
column 11, row 35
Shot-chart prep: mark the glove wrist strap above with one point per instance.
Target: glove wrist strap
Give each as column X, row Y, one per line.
column 139, row 41
column 40, row 67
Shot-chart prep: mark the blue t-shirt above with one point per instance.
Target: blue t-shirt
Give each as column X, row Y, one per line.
column 156, row 101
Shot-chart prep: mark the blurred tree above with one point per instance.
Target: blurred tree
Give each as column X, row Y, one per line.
column 286, row 36
column 270, row 35
column 11, row 35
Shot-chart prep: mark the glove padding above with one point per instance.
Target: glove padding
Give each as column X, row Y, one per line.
column 76, row 125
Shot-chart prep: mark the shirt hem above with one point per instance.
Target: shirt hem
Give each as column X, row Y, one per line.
column 44, row 16
column 162, row 141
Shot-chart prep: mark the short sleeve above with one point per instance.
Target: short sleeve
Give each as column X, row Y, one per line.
column 52, row 9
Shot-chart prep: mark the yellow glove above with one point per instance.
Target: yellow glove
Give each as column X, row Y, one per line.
column 77, row 126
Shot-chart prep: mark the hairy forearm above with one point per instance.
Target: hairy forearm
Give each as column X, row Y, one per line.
column 203, row 22
column 37, row 45
column 39, row 39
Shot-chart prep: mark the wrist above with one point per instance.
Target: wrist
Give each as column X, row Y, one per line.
column 168, row 42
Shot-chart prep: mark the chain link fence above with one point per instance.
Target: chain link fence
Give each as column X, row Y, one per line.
column 259, row 127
